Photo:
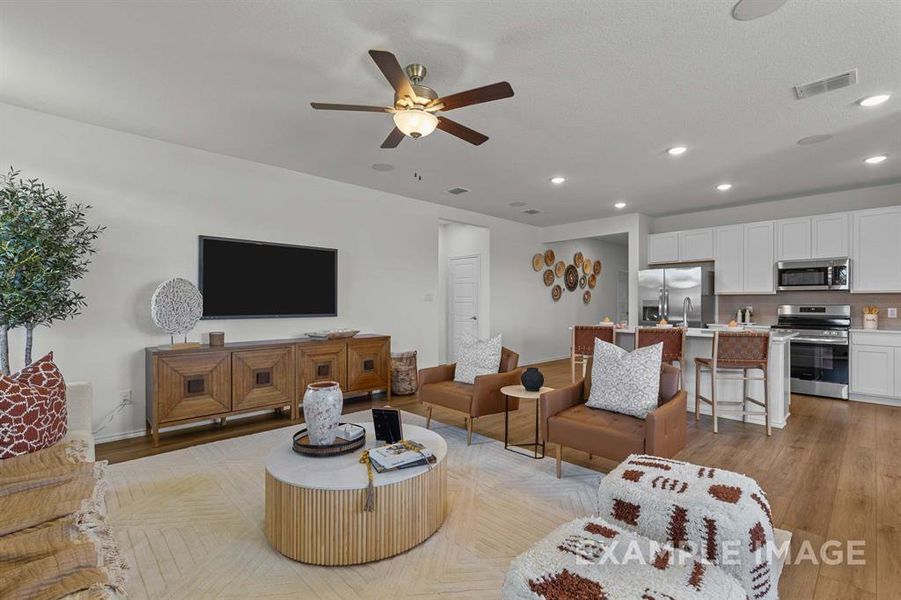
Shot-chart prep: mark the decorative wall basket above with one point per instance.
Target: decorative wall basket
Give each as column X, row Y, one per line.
column 577, row 258
column 559, row 268
column 592, row 281
column 583, row 281
column 571, row 278
column 556, row 293
column 537, row 261
column 175, row 307
column 596, row 267
column 586, row 297
column 549, row 278
column 549, row 257
column 586, row 266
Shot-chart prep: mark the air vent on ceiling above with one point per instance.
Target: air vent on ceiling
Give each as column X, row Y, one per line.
column 457, row 191
column 531, row 211
column 836, row 82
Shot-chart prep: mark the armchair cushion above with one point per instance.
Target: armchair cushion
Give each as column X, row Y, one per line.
column 600, row 432
column 449, row 394
column 477, row 357
column 625, row 382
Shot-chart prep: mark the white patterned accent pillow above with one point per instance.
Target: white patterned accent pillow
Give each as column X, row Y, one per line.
column 625, row 382
column 477, row 357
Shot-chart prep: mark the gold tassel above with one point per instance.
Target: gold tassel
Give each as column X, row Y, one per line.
column 369, row 505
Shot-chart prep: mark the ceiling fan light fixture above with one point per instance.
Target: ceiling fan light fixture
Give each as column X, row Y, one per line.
column 415, row 122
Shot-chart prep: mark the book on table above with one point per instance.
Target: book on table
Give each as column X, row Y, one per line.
column 402, row 455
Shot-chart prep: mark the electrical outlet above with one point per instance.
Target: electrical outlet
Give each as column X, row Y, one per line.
column 125, row 397
column 893, row 313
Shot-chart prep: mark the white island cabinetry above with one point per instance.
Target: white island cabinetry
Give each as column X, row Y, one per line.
column 876, row 366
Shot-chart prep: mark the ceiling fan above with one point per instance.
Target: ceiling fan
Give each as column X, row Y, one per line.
column 415, row 104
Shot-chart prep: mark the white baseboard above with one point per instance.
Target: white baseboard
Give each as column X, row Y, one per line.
column 875, row 400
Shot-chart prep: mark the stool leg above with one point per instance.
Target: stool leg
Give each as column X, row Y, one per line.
column 572, row 364
column 713, row 398
column 744, row 396
column 428, row 419
column 469, row 431
column 697, row 392
column 766, row 401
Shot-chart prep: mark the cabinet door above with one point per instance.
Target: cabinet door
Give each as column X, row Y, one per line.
column 663, row 247
column 793, row 239
column 321, row 362
column 876, row 251
column 367, row 365
column 873, row 370
column 696, row 244
column 759, row 271
column 829, row 236
column 728, row 268
column 898, row 373
column 263, row 377
column 193, row 385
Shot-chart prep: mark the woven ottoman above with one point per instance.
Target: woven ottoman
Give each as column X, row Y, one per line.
column 721, row 516
column 593, row 559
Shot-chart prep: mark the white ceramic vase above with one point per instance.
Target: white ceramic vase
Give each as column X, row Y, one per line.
column 322, row 405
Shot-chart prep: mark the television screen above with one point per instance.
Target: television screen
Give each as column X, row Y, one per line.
column 244, row 279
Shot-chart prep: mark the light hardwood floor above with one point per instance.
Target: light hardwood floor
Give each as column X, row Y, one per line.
column 834, row 473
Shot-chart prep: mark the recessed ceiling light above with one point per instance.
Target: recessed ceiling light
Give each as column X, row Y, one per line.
column 619, row 204
column 558, row 180
column 676, row 150
column 517, row 204
column 814, row 139
column 748, row 10
column 724, row 187
column 875, row 160
column 874, row 100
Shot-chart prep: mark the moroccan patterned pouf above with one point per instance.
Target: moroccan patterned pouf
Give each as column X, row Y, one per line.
column 721, row 516
column 593, row 559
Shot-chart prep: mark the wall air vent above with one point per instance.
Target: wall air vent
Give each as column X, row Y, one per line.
column 836, row 82
column 457, row 191
column 531, row 211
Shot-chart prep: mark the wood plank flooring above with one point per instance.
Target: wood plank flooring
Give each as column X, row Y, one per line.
column 834, row 473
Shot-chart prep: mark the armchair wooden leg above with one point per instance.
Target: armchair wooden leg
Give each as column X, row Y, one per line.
column 469, row 431
column 559, row 459
column 428, row 419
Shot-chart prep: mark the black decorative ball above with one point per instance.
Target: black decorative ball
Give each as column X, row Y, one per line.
column 532, row 379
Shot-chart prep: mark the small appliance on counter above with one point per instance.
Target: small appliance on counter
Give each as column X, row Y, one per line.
column 683, row 296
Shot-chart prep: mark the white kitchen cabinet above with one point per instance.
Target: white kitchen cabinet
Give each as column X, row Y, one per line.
column 793, row 239
column 876, row 250
column 663, row 247
column 829, row 236
column 758, row 273
column 873, row 370
column 729, row 265
column 696, row 245
column 898, row 373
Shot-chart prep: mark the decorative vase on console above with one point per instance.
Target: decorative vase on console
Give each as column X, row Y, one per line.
column 322, row 404
column 532, row 379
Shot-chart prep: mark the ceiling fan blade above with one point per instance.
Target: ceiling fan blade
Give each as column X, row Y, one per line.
column 355, row 107
column 461, row 131
column 495, row 91
column 391, row 69
column 394, row 138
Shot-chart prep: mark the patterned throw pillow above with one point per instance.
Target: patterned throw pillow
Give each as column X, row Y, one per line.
column 625, row 382
column 477, row 357
column 32, row 408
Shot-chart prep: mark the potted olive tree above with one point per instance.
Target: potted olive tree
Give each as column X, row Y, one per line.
column 45, row 245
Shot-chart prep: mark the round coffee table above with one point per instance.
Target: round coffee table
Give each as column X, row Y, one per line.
column 519, row 391
column 314, row 506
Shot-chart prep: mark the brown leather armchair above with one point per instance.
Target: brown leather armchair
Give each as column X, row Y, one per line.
column 566, row 421
column 438, row 388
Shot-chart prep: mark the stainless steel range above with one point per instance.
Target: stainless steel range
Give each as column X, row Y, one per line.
column 820, row 352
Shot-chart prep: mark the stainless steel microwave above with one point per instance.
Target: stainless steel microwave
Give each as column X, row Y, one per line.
column 825, row 274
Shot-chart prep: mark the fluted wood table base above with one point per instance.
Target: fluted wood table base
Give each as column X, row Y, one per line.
column 330, row 527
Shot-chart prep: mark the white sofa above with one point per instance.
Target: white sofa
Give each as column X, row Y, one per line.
column 79, row 404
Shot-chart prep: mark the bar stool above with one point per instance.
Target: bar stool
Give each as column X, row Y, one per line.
column 732, row 352
column 582, row 347
column 673, row 340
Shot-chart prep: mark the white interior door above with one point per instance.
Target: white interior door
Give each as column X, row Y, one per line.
column 464, row 274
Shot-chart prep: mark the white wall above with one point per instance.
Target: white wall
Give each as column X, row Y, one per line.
column 155, row 199
column 456, row 240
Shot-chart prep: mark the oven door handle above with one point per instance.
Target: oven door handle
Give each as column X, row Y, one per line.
column 820, row 341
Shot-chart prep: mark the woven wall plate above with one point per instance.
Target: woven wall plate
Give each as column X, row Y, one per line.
column 577, row 258
column 549, row 278
column 592, row 281
column 549, row 257
column 538, row 261
column 571, row 277
column 586, row 297
column 586, row 266
column 596, row 267
column 583, row 281
column 559, row 268
column 556, row 292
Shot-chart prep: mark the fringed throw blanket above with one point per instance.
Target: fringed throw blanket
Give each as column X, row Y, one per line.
column 54, row 541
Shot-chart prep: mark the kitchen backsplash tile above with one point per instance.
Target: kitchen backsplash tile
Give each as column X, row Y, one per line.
column 766, row 307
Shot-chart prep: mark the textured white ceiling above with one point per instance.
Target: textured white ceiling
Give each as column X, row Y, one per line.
column 602, row 89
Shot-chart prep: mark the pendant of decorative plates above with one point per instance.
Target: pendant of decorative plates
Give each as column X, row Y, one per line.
column 556, row 292
column 592, row 281
column 586, row 266
column 549, row 257
column 549, row 278
column 596, row 268
column 560, row 268
column 571, row 277
column 586, row 297
column 583, row 281
column 577, row 259
column 537, row 261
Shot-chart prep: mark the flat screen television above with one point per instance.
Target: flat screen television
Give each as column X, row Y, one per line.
column 242, row 279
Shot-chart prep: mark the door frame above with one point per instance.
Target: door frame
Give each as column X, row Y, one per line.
column 449, row 300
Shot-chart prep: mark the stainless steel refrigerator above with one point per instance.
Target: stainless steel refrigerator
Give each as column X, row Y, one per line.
column 678, row 295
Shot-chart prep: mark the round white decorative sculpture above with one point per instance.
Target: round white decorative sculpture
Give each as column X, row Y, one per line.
column 176, row 306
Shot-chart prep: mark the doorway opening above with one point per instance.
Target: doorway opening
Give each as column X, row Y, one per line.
column 464, row 285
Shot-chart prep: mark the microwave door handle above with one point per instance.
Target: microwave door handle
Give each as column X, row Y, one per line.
column 829, row 276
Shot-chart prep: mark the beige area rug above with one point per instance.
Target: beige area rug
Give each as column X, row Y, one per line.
column 190, row 524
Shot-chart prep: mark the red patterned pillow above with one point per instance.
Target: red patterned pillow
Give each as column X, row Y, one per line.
column 32, row 408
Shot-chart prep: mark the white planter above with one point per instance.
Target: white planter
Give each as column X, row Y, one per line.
column 871, row 321
column 322, row 404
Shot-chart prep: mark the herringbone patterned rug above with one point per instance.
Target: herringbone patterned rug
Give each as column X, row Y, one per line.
column 190, row 523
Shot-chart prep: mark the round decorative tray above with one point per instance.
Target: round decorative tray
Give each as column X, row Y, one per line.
column 301, row 444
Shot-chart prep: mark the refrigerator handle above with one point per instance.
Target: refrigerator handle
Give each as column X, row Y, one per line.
column 666, row 304
column 660, row 303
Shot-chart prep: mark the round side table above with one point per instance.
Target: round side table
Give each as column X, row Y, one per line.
column 314, row 506
column 518, row 391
